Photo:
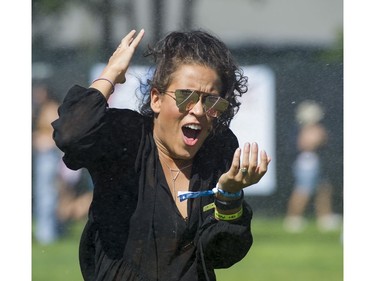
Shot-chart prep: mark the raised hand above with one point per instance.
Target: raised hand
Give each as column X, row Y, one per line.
column 120, row 59
column 118, row 64
column 249, row 172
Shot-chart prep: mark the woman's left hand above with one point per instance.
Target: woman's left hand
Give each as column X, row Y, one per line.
column 119, row 62
column 241, row 175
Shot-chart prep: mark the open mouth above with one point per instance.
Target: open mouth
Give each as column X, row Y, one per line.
column 191, row 133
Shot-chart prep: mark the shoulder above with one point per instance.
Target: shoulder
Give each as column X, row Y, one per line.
column 127, row 121
column 124, row 115
column 220, row 146
column 224, row 140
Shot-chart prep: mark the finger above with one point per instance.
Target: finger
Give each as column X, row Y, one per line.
column 130, row 41
column 264, row 161
column 254, row 156
column 235, row 162
column 128, row 38
column 137, row 39
column 245, row 158
column 125, row 41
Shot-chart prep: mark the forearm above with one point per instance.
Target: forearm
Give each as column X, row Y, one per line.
column 79, row 115
column 106, row 82
column 225, row 243
column 104, row 86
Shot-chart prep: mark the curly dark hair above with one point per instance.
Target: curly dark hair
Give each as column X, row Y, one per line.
column 195, row 47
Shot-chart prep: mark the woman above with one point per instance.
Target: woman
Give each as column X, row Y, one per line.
column 310, row 171
column 179, row 142
column 46, row 162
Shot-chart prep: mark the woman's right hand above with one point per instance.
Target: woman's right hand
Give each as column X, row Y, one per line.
column 118, row 63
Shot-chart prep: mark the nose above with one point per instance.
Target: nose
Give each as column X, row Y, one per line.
column 197, row 109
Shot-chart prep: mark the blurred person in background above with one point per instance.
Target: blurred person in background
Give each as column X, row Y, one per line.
column 46, row 159
column 75, row 195
column 168, row 199
column 60, row 195
column 310, row 172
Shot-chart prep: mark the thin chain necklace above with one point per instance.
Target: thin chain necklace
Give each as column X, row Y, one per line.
column 174, row 175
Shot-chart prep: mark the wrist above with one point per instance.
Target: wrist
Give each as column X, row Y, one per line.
column 227, row 195
column 228, row 206
column 113, row 74
column 104, row 85
column 225, row 216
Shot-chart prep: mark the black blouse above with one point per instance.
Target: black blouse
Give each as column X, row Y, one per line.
column 135, row 230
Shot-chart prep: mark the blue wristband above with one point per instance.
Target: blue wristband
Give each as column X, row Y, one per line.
column 183, row 195
column 229, row 194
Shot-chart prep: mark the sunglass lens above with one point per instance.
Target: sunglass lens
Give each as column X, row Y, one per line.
column 214, row 105
column 186, row 99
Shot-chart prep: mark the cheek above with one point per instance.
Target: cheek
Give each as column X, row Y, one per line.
column 170, row 117
column 168, row 106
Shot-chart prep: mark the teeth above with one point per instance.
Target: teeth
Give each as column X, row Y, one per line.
column 194, row 127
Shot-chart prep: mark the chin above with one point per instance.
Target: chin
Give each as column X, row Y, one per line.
column 185, row 153
column 192, row 151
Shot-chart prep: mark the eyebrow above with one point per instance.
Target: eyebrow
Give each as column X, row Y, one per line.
column 201, row 92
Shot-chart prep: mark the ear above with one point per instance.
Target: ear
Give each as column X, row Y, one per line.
column 155, row 100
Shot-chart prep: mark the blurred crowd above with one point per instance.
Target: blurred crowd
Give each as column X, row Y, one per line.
column 59, row 195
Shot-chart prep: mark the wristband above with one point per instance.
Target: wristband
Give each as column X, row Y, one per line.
column 183, row 195
column 228, row 205
column 230, row 217
column 109, row 81
column 229, row 194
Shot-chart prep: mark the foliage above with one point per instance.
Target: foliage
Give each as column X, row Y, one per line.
column 48, row 6
column 336, row 53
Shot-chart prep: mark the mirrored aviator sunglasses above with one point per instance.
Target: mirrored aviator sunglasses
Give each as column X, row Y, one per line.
column 186, row 99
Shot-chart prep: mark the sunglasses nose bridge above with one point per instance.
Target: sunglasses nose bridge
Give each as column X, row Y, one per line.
column 197, row 106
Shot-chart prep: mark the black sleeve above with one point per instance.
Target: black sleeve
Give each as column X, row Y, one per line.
column 224, row 243
column 88, row 132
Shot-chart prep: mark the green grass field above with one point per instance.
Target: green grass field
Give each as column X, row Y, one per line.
column 274, row 256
